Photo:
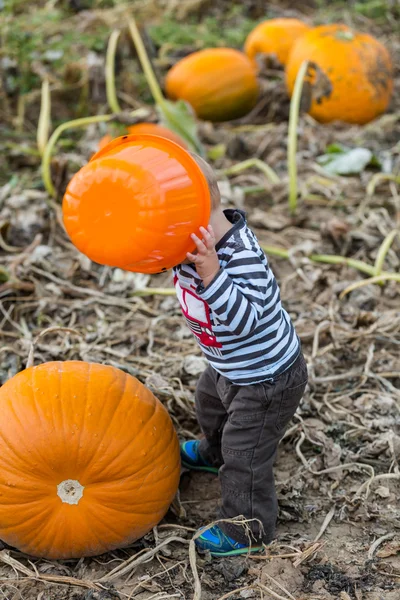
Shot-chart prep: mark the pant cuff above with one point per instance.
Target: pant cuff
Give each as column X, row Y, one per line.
column 249, row 534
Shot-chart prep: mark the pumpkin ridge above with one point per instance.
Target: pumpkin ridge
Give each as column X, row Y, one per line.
column 115, row 412
column 12, row 447
column 88, row 466
column 83, row 422
column 136, row 473
column 35, row 532
column 133, row 441
column 89, row 402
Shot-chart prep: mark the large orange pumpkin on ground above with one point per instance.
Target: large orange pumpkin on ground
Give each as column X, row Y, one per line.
column 89, row 460
column 274, row 38
column 219, row 83
column 351, row 74
column 136, row 203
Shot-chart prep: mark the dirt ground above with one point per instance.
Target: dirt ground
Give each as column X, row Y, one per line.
column 337, row 471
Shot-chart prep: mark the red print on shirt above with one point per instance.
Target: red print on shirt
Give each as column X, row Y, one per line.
column 197, row 315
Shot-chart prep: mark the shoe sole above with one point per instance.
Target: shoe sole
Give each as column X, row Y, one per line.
column 193, row 468
column 238, row 552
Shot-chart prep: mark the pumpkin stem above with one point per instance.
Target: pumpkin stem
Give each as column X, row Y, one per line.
column 42, row 134
column 292, row 136
column 110, row 72
column 70, row 491
column 346, row 35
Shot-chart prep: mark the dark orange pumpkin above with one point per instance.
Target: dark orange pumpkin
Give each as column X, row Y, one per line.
column 350, row 75
column 219, row 83
column 89, row 460
column 136, row 203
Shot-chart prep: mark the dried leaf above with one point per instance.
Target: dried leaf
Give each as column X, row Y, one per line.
column 390, row 549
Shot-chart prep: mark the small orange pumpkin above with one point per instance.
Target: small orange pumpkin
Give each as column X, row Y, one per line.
column 89, row 460
column 136, row 203
column 274, row 38
column 155, row 129
column 351, row 74
column 219, row 83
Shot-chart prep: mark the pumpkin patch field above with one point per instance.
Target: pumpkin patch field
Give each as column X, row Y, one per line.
column 295, row 105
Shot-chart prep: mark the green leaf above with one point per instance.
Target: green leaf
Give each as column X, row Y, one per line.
column 179, row 117
column 216, row 152
column 335, row 149
column 348, row 161
column 4, row 275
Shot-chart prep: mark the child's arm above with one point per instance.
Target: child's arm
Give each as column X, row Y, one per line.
column 239, row 294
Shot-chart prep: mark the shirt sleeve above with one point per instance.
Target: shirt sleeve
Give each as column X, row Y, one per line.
column 240, row 292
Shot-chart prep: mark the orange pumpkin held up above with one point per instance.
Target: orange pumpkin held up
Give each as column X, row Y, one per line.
column 219, row 83
column 274, row 38
column 89, row 460
column 136, row 203
column 351, row 74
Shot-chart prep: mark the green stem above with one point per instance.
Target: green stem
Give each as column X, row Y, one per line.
column 371, row 280
column 110, row 72
column 383, row 250
column 248, row 164
column 74, row 124
column 292, row 136
column 46, row 159
column 44, row 117
column 275, row 251
column 22, row 149
column 253, row 189
column 146, row 65
column 376, row 180
column 155, row 292
column 171, row 118
column 331, row 259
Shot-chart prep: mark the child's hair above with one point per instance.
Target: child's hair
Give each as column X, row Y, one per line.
column 210, row 178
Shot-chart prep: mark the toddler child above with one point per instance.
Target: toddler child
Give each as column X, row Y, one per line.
column 255, row 379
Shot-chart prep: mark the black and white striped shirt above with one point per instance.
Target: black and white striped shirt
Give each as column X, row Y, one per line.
column 238, row 320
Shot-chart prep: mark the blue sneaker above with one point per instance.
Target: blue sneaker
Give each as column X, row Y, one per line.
column 191, row 458
column 220, row 544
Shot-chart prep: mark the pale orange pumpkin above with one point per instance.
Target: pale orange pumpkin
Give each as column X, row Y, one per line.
column 350, row 74
column 89, row 460
column 274, row 38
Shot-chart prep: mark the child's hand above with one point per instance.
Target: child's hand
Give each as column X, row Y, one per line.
column 206, row 259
